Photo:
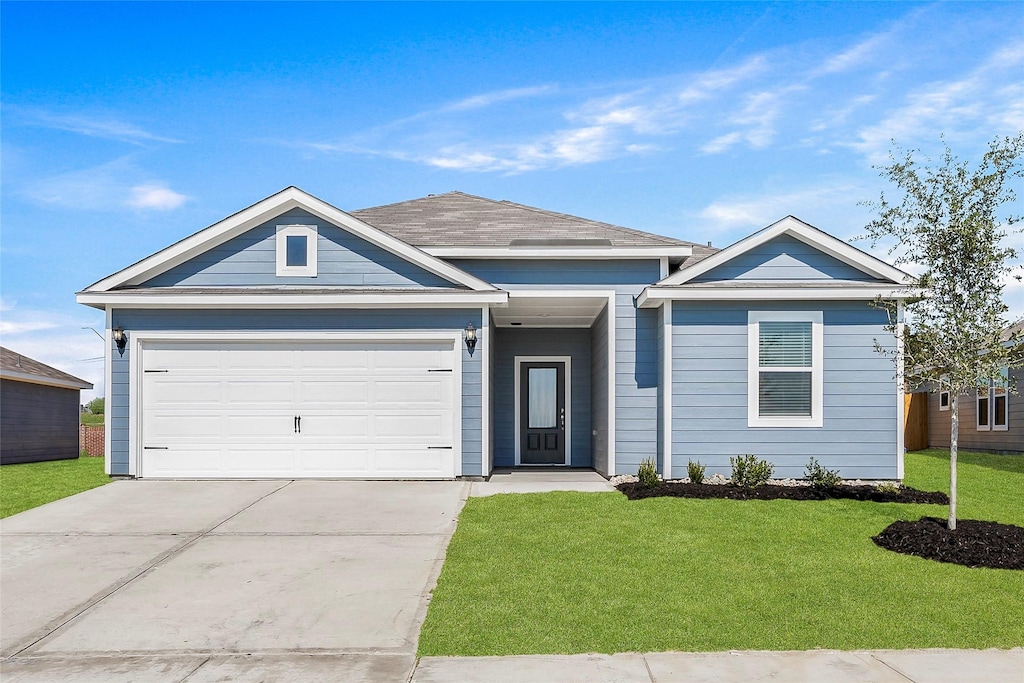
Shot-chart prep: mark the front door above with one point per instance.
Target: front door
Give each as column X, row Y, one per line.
column 542, row 413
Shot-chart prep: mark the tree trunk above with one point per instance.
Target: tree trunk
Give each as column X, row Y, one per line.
column 954, row 432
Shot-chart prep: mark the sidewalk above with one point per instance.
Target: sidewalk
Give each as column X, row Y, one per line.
column 815, row 666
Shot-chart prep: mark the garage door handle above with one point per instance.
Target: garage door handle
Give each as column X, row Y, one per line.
column 297, row 424
column 156, row 448
column 439, row 448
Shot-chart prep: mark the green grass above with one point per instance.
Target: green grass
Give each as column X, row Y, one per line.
column 29, row 485
column 578, row 572
column 90, row 419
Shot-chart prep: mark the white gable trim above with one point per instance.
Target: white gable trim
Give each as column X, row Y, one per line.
column 651, row 297
column 265, row 210
column 807, row 234
column 555, row 252
column 406, row 298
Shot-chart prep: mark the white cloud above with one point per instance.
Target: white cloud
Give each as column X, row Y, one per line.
column 155, row 197
column 822, row 205
column 98, row 126
column 103, row 188
column 490, row 98
column 9, row 327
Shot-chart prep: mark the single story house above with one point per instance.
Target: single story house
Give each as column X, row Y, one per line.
column 39, row 410
column 445, row 336
column 991, row 417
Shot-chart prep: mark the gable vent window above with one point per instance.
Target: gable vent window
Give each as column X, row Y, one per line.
column 296, row 250
column 784, row 368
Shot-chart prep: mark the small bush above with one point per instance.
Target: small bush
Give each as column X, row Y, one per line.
column 695, row 471
column 648, row 473
column 888, row 487
column 96, row 406
column 750, row 472
column 820, row 477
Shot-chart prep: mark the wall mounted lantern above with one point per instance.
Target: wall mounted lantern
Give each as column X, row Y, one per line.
column 120, row 338
column 470, row 337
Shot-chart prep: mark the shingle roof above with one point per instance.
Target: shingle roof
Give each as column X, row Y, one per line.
column 18, row 367
column 456, row 219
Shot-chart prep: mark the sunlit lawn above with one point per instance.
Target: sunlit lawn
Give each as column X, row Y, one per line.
column 30, row 485
column 581, row 572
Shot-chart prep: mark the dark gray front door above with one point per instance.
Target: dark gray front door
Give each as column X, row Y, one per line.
column 542, row 413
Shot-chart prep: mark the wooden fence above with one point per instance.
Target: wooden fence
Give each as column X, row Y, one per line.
column 915, row 421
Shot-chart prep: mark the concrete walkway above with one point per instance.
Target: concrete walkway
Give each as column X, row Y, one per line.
column 540, row 480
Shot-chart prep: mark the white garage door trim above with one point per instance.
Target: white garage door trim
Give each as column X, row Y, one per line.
column 138, row 341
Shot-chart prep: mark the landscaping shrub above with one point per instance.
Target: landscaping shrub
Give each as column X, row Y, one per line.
column 749, row 472
column 888, row 487
column 648, row 473
column 820, row 477
column 695, row 471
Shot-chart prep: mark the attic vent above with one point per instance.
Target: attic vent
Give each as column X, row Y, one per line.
column 560, row 242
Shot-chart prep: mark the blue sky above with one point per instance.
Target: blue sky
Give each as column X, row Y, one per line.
column 126, row 127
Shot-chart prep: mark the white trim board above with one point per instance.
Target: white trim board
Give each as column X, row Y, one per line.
column 286, row 299
column 666, row 383
column 806, row 233
column 266, row 210
column 555, row 252
column 29, row 378
column 518, row 361
column 139, row 339
column 651, row 297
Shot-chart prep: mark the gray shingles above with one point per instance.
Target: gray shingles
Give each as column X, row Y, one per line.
column 456, row 219
column 13, row 362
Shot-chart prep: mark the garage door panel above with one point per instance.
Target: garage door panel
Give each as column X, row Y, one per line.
column 422, row 393
column 170, row 391
column 332, row 461
column 410, row 356
column 367, row 408
column 184, row 461
column 394, row 460
column 334, row 392
column 163, row 426
column 343, row 428
column 261, row 393
column 409, row 427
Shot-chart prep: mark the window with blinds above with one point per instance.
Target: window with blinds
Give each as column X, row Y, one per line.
column 992, row 409
column 785, row 368
column 785, row 362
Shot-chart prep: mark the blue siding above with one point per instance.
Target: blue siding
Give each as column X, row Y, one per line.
column 540, row 342
column 342, row 260
column 709, row 385
column 636, row 362
column 273, row 320
column 784, row 258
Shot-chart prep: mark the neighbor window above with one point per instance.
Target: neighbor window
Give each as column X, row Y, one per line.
column 943, row 400
column 296, row 250
column 784, row 368
column 992, row 404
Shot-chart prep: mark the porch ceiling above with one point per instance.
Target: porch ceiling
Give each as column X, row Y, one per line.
column 549, row 311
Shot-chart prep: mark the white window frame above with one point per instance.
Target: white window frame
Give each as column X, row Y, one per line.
column 993, row 386
column 944, row 393
column 754, row 320
column 283, row 233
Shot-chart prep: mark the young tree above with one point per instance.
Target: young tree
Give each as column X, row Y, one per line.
column 947, row 221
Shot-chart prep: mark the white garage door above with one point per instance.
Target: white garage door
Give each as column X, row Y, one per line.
column 352, row 409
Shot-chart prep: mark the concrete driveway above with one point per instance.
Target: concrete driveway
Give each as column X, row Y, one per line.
column 206, row 581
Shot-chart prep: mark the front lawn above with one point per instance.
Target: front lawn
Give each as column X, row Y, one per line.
column 30, row 485
column 584, row 572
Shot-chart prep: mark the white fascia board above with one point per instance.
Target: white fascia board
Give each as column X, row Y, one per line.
column 155, row 299
column 594, row 253
column 651, row 297
column 807, row 234
column 28, row 378
column 265, row 210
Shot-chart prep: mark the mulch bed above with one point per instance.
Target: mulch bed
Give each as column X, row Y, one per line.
column 905, row 494
column 973, row 544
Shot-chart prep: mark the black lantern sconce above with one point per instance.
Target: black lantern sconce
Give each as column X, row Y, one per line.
column 120, row 338
column 470, row 337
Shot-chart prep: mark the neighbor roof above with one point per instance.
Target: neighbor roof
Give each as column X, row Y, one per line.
column 21, row 368
column 457, row 219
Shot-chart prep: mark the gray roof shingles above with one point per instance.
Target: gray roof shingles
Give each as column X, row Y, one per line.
column 13, row 362
column 456, row 219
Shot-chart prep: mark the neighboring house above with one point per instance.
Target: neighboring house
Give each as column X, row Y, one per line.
column 39, row 409
column 991, row 418
column 446, row 336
